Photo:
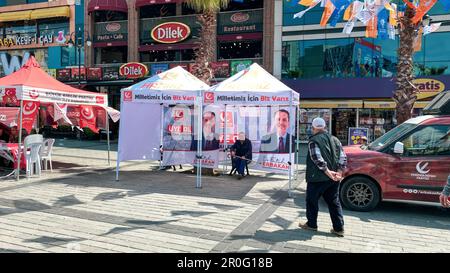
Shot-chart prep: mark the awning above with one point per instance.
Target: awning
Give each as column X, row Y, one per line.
column 114, row 5
column 140, row 3
column 390, row 104
column 15, row 16
column 331, row 104
column 379, row 104
column 50, row 13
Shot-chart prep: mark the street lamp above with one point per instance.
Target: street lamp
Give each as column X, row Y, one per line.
column 78, row 42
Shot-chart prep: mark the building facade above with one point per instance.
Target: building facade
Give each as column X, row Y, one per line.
column 161, row 34
column 42, row 28
column 349, row 79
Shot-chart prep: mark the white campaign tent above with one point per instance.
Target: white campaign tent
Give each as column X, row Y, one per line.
column 254, row 87
column 142, row 106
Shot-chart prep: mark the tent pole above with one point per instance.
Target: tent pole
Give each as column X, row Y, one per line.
column 118, row 144
column 107, row 136
column 297, row 142
column 199, row 140
column 19, row 148
column 161, row 135
column 290, row 152
column 225, row 142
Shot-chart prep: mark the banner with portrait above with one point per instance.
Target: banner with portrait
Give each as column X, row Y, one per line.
column 180, row 139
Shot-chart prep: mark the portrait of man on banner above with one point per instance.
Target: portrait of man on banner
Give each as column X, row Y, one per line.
column 210, row 138
column 177, row 134
column 279, row 140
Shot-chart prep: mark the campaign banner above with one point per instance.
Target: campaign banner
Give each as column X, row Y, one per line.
column 355, row 134
column 87, row 118
column 49, row 95
column 242, row 98
column 8, row 95
column 144, row 95
column 29, row 113
column 9, row 116
column 180, row 140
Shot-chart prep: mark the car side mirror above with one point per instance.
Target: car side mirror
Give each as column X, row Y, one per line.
column 399, row 148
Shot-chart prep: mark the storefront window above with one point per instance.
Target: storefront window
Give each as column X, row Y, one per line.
column 110, row 55
column 306, row 118
column 342, row 120
column 379, row 121
column 158, row 10
column 109, row 15
column 239, row 50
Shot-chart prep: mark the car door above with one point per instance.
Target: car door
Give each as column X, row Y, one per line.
column 420, row 173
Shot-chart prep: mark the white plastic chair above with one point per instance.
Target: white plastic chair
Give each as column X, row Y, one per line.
column 46, row 153
column 32, row 146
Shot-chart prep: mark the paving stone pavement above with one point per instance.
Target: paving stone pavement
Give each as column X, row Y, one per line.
column 79, row 207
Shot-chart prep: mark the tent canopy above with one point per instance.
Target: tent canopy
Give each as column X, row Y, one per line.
column 33, row 84
column 253, row 85
column 173, row 86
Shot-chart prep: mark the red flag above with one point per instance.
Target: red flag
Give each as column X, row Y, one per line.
column 424, row 7
column 9, row 96
column 87, row 118
column 29, row 113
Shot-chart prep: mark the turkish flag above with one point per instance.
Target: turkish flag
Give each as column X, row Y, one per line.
column 9, row 96
column 29, row 113
column 87, row 118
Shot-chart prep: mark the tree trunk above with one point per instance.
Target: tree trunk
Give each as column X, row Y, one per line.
column 204, row 54
column 405, row 94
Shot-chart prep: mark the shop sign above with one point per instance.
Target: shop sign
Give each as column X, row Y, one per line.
column 428, row 87
column 113, row 27
column 238, row 66
column 110, row 73
column 78, row 73
column 63, row 74
column 159, row 68
column 240, row 22
column 13, row 60
column 355, row 135
column 133, row 70
column 221, row 69
column 26, row 40
column 170, row 32
column 94, row 73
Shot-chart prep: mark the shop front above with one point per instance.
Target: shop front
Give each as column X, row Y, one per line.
column 356, row 103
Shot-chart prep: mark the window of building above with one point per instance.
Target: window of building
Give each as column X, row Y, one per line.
column 110, row 55
column 158, row 10
column 244, row 4
column 239, row 50
column 22, row 28
column 52, row 26
column 109, row 15
column 186, row 10
column 167, row 55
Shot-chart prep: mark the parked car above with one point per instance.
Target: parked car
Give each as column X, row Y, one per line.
column 410, row 163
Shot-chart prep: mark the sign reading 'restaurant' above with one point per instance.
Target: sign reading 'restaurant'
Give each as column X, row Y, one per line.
column 170, row 32
column 133, row 70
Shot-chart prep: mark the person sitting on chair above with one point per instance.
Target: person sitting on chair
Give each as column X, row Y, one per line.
column 241, row 153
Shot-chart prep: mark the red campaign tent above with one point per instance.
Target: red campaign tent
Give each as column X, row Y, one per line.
column 32, row 85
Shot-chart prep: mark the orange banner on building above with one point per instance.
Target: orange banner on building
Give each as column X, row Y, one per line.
column 371, row 29
column 424, row 7
column 327, row 12
column 418, row 40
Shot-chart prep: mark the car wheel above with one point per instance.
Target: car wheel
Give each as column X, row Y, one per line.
column 360, row 193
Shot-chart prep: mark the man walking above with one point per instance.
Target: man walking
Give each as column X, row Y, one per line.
column 324, row 164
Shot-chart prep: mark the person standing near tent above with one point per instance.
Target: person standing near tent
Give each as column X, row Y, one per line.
column 324, row 165
column 241, row 153
column 14, row 136
column 279, row 141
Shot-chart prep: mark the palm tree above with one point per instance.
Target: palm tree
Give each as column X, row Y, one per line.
column 204, row 54
column 405, row 94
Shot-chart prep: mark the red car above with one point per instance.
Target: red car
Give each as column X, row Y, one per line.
column 410, row 164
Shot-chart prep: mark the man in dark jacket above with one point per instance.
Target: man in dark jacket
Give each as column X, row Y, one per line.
column 324, row 164
column 241, row 153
